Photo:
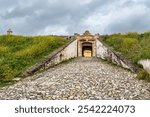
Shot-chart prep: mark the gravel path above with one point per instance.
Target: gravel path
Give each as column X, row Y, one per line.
column 81, row 78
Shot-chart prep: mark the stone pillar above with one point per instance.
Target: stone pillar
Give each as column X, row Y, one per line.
column 94, row 48
column 79, row 48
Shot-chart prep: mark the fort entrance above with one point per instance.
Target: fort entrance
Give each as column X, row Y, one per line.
column 86, row 44
column 87, row 49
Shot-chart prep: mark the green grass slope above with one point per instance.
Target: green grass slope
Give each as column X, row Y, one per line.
column 132, row 45
column 17, row 53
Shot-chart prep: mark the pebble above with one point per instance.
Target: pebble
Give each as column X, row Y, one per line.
column 81, row 78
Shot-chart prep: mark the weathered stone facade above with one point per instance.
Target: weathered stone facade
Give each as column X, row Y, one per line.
column 106, row 53
column 86, row 44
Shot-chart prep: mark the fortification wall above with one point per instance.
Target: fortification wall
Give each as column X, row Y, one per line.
column 66, row 52
column 70, row 50
column 106, row 53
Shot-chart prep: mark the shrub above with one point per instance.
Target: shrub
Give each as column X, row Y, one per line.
column 31, row 51
column 6, row 72
column 143, row 75
column 4, row 49
column 114, row 42
column 132, row 35
column 127, row 44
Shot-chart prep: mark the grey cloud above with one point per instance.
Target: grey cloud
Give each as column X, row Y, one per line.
column 135, row 20
column 33, row 17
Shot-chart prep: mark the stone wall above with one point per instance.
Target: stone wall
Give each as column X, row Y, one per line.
column 66, row 52
column 106, row 53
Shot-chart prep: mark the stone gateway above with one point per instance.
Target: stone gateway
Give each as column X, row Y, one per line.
column 86, row 44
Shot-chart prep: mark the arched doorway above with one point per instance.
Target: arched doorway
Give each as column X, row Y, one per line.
column 87, row 49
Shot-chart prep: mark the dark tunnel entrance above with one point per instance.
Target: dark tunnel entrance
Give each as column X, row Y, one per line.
column 87, row 50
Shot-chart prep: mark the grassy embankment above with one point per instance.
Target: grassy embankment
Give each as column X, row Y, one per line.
column 133, row 46
column 17, row 53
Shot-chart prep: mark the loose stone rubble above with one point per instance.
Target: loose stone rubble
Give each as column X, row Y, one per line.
column 80, row 78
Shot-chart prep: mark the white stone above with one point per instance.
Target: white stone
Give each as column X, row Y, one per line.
column 145, row 64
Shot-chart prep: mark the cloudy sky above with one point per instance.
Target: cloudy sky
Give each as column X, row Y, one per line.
column 66, row 17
